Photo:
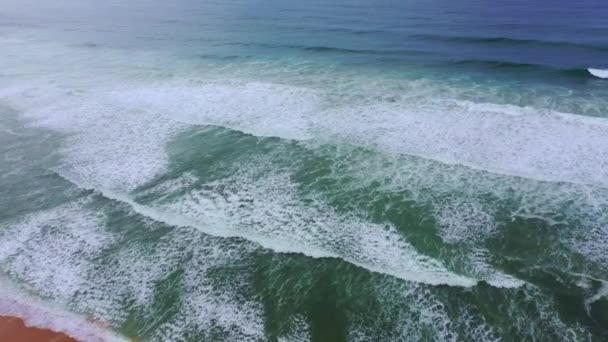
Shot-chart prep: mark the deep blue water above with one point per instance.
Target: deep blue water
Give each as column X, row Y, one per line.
column 535, row 38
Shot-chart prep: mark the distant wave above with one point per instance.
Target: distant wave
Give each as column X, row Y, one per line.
column 337, row 49
column 301, row 47
column 346, row 30
column 223, row 57
column 509, row 41
column 601, row 73
column 572, row 73
column 324, row 49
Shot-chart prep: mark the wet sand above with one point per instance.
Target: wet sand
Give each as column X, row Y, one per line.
column 13, row 329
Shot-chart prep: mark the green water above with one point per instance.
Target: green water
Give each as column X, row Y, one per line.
column 154, row 280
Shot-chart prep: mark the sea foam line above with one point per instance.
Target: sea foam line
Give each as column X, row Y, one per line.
column 278, row 245
column 501, row 139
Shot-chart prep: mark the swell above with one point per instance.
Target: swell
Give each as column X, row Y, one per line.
column 326, row 49
column 524, row 68
column 346, row 30
column 398, row 55
column 276, row 245
column 509, row 42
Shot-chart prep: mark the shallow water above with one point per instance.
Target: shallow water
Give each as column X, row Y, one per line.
column 325, row 171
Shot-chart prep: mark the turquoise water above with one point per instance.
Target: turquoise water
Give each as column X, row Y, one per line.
column 322, row 171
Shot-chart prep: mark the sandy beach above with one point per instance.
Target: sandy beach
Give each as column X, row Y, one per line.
column 14, row 329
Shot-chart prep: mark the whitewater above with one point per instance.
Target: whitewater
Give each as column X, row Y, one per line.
column 175, row 178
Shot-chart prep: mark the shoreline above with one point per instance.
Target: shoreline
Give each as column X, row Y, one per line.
column 25, row 319
column 15, row 329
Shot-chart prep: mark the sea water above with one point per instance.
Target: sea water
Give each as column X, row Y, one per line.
column 337, row 170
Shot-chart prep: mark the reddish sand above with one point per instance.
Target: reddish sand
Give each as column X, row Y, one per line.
column 13, row 329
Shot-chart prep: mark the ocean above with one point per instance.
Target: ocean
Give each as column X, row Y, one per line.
column 338, row 170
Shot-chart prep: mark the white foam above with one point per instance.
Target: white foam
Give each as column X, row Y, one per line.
column 466, row 222
column 190, row 103
column 52, row 253
column 601, row 73
column 477, row 263
column 505, row 139
column 47, row 316
column 461, row 219
column 475, row 327
column 172, row 186
column 11, row 132
column 538, row 146
column 544, row 317
column 580, row 214
column 470, row 206
column 299, row 331
column 51, row 249
column 207, row 305
column 419, row 314
column 117, row 137
column 57, row 253
column 112, row 146
column 262, row 109
column 117, row 143
column 268, row 211
column 602, row 292
column 118, row 146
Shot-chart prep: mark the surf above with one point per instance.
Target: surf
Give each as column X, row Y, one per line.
column 601, row 73
column 417, row 268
